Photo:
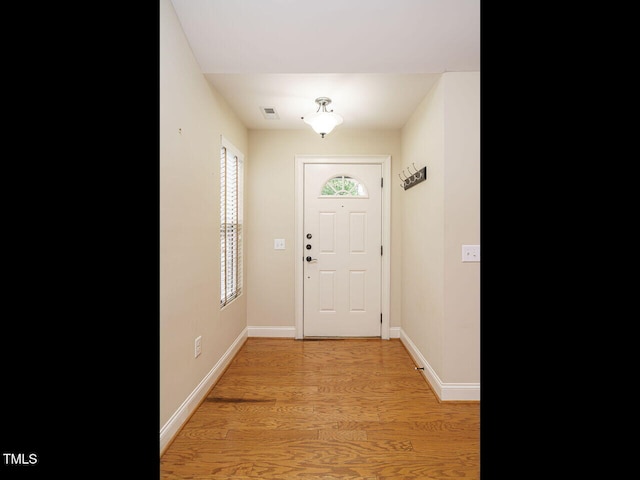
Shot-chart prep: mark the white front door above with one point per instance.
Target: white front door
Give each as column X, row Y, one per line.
column 342, row 254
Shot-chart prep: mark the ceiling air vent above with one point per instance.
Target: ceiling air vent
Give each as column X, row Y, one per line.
column 269, row 113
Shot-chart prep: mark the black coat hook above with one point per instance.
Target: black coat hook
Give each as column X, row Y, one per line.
column 413, row 179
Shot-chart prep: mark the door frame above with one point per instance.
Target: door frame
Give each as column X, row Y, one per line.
column 385, row 294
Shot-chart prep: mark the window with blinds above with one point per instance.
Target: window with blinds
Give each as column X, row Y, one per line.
column 230, row 224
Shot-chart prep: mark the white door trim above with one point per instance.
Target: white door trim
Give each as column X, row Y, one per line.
column 385, row 294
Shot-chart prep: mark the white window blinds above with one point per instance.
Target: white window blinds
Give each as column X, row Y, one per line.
column 230, row 225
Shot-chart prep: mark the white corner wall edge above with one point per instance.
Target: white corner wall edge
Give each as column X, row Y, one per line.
column 182, row 414
column 272, row 332
column 444, row 391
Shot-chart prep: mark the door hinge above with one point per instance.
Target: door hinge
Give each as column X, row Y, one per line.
column 381, row 249
column 382, row 182
column 380, row 318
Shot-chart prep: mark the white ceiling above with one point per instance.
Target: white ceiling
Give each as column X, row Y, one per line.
column 375, row 59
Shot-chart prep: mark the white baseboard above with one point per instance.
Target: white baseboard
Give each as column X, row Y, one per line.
column 278, row 332
column 444, row 391
column 394, row 332
column 173, row 425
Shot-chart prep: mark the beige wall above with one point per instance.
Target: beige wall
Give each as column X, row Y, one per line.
column 461, row 334
column 189, row 219
column 440, row 294
column 422, row 229
column 271, row 214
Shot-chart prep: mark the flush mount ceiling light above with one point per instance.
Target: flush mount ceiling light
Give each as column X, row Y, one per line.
column 323, row 121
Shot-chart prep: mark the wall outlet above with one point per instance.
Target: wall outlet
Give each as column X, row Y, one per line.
column 198, row 346
column 470, row 253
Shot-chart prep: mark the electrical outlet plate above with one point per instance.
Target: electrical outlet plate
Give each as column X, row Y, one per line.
column 198, row 346
column 470, row 253
column 278, row 243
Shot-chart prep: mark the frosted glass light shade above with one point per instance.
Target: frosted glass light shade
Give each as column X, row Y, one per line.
column 323, row 122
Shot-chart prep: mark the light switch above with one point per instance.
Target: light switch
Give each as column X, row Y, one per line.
column 278, row 244
column 470, row 253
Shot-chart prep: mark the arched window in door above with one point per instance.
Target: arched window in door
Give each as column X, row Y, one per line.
column 343, row 186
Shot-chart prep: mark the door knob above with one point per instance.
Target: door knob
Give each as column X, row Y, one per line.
column 309, row 259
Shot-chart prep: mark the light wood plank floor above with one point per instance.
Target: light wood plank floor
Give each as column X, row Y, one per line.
column 325, row 409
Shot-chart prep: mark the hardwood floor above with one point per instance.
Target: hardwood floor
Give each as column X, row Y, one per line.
column 329, row 409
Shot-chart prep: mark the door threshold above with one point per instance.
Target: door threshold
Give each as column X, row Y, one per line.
column 341, row 338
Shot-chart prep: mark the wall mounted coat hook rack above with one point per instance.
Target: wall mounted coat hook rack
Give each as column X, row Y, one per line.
column 413, row 179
